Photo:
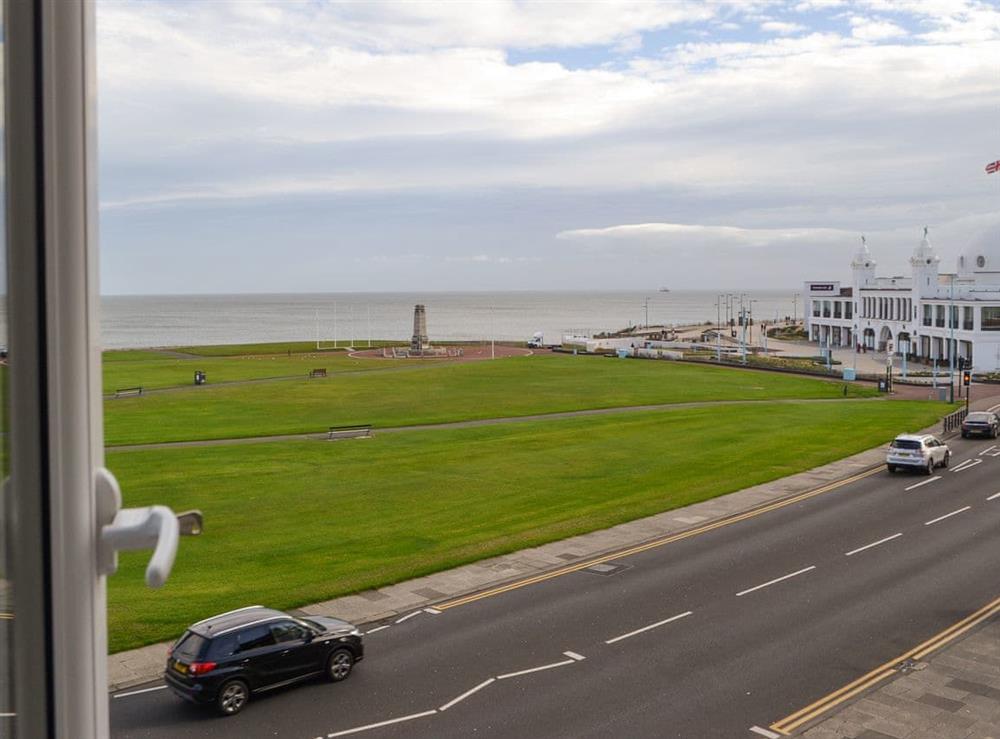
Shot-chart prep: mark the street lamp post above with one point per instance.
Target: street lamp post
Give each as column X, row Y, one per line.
column 718, row 328
column 951, row 340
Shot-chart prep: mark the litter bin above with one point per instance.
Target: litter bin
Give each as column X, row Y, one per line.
column 883, row 386
column 849, row 374
column 199, row 377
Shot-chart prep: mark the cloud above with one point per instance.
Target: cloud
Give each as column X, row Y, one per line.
column 782, row 27
column 867, row 117
column 669, row 235
column 871, row 29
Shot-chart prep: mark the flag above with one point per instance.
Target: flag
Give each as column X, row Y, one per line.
column 993, row 167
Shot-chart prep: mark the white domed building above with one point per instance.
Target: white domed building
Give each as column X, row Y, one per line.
column 928, row 315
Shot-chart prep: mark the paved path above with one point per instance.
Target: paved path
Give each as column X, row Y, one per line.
column 954, row 693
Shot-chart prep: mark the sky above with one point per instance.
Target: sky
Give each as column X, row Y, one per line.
column 498, row 145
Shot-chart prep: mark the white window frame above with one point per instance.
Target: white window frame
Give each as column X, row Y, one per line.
column 56, row 432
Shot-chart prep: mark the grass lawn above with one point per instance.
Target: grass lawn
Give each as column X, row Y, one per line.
column 298, row 522
column 153, row 371
column 295, row 347
column 514, row 386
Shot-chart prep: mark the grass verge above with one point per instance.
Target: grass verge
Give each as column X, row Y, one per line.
column 153, row 373
column 299, row 522
column 515, row 386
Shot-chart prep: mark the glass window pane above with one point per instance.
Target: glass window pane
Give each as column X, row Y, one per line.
column 991, row 318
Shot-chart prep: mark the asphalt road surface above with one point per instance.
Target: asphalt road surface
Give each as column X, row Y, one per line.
column 707, row 636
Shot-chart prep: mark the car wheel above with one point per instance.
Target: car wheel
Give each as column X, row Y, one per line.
column 233, row 696
column 339, row 665
column 930, row 466
column 965, row 435
column 947, row 458
column 891, row 467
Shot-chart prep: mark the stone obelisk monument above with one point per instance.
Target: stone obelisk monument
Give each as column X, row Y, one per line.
column 419, row 342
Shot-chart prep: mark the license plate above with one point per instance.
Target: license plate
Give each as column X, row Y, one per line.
column 181, row 667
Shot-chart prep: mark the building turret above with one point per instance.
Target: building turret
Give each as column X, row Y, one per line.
column 924, row 264
column 863, row 266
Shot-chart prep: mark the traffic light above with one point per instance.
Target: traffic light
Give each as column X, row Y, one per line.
column 967, row 377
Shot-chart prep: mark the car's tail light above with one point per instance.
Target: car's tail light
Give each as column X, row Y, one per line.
column 200, row 668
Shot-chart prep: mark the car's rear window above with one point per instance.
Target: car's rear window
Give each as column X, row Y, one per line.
column 189, row 647
column 980, row 417
column 905, row 444
column 222, row 647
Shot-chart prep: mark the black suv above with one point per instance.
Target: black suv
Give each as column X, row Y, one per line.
column 223, row 659
column 984, row 423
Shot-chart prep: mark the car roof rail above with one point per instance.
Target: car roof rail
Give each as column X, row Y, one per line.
column 227, row 613
column 250, row 623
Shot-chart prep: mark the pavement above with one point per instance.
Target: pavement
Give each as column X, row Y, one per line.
column 954, row 693
column 713, row 620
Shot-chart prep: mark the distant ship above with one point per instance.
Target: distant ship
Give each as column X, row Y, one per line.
column 664, row 289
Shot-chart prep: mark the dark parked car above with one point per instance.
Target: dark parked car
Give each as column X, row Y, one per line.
column 224, row 659
column 981, row 423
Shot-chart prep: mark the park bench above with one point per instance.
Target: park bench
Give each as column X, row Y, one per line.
column 320, row 372
column 125, row 392
column 349, row 432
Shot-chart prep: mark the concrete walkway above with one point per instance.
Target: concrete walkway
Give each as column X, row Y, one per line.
column 955, row 693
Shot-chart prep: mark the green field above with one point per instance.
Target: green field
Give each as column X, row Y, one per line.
column 428, row 394
column 152, row 371
column 283, row 347
column 297, row 522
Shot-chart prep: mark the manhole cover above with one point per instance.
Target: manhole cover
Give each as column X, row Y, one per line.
column 606, row 568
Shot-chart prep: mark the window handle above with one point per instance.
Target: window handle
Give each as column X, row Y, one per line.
column 136, row 528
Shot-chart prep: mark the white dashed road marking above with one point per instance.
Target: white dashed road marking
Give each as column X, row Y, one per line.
column 947, row 515
column 776, row 580
column 466, row 694
column 399, row 720
column 995, row 495
column 377, row 628
column 765, row 732
column 137, row 692
column 536, row 669
column 873, row 544
column 925, row 482
column 432, row 611
column 574, row 655
column 967, row 464
column 408, row 616
column 987, row 450
column 651, row 626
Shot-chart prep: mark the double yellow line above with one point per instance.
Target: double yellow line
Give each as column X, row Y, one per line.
column 803, row 716
column 656, row 542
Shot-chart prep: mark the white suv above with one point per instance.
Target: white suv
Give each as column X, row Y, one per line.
column 923, row 452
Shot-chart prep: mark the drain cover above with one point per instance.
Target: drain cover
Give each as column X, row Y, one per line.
column 606, row 568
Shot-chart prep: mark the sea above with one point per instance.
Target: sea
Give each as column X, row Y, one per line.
column 136, row 321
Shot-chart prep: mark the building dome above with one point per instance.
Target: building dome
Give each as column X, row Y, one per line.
column 863, row 257
column 983, row 253
column 924, row 253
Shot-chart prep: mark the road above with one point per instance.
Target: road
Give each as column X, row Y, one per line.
column 706, row 636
